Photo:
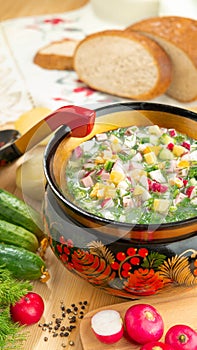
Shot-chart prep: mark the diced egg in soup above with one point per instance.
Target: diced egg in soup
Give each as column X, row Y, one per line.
column 138, row 175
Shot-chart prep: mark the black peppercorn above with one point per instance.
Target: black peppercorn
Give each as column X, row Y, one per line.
column 66, row 334
column 72, row 327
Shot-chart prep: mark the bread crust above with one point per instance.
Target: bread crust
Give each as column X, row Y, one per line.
column 180, row 32
column 57, row 61
column 161, row 61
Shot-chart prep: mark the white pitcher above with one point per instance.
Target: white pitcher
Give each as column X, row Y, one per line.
column 178, row 8
column 125, row 12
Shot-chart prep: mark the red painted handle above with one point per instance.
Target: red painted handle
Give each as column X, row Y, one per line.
column 80, row 120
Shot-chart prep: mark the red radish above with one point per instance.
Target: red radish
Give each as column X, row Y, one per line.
column 107, row 326
column 190, row 191
column 143, row 323
column 181, row 337
column 186, row 145
column 156, row 345
column 107, row 203
column 157, row 187
column 170, row 146
column 28, row 310
column 172, row 132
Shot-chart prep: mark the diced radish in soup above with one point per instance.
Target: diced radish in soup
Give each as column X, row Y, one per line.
column 118, row 166
column 186, row 145
column 157, row 187
column 144, row 181
column 130, row 140
column 170, row 146
column 179, row 198
column 78, row 152
column 137, row 157
column 191, row 191
column 107, row 203
column 171, row 166
column 172, row 132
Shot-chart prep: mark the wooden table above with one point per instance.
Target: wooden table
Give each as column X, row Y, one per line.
column 20, row 8
column 62, row 286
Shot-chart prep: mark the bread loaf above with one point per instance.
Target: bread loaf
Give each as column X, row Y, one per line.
column 124, row 64
column 178, row 37
column 57, row 55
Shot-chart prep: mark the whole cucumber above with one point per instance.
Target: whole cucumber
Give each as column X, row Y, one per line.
column 17, row 235
column 16, row 211
column 22, row 263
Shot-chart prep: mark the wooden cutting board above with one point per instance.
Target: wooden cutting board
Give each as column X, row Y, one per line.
column 173, row 310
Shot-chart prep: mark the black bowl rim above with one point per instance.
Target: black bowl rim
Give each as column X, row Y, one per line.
column 108, row 109
column 9, row 135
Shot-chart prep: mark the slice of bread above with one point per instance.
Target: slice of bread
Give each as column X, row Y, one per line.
column 178, row 37
column 124, row 64
column 57, row 55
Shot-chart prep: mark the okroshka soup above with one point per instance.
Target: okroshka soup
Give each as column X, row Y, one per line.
column 137, row 167
column 138, row 175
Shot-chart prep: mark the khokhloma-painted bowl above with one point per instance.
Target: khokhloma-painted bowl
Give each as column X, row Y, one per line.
column 120, row 258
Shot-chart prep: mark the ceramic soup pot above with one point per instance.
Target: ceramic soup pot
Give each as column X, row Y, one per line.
column 124, row 259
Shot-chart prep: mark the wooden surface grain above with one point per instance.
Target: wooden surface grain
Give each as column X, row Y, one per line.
column 21, row 8
column 62, row 286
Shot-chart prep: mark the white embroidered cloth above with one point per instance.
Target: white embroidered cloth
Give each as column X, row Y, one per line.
column 24, row 85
